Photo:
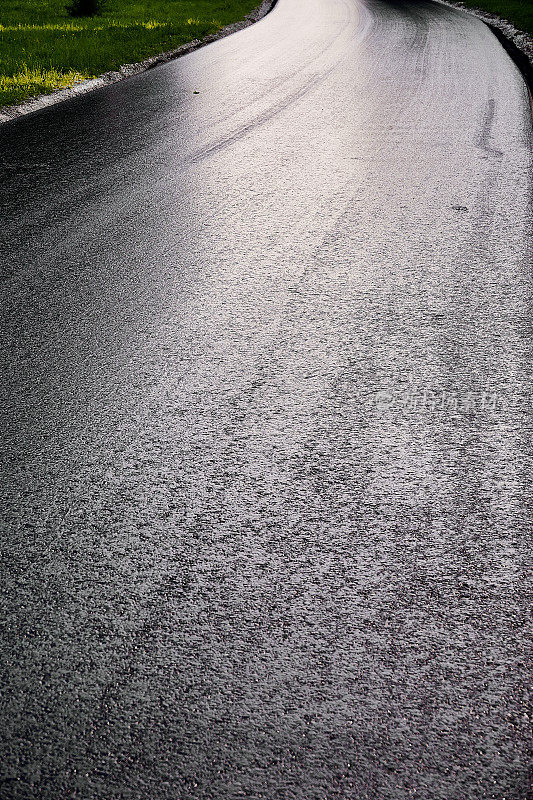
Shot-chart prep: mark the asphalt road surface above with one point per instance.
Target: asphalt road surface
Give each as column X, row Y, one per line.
column 267, row 400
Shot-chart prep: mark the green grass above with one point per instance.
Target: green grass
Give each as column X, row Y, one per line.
column 519, row 12
column 43, row 49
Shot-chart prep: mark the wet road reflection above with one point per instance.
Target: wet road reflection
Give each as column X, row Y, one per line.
column 267, row 404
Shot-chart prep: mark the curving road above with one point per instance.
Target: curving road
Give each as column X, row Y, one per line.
column 267, row 408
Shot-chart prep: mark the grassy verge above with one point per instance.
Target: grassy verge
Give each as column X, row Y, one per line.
column 43, row 49
column 519, row 12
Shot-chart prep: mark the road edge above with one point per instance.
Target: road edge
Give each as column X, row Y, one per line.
column 517, row 43
column 9, row 113
column 521, row 60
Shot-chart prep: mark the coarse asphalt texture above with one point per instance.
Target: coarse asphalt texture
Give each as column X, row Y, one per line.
column 267, row 415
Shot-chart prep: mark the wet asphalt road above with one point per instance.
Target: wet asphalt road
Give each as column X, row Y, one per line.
column 267, row 403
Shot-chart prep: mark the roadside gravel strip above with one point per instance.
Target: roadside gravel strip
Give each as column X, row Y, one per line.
column 8, row 113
